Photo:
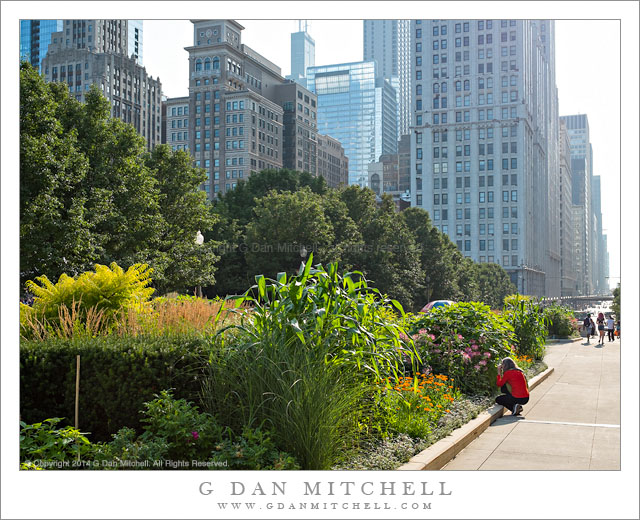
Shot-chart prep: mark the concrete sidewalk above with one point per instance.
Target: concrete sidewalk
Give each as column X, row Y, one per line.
column 572, row 420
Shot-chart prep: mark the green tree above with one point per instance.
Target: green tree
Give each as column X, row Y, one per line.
column 235, row 210
column 55, row 232
column 615, row 306
column 91, row 193
column 389, row 256
column 179, row 262
column 494, row 284
column 439, row 258
column 287, row 227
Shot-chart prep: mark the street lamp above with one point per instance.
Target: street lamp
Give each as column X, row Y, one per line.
column 199, row 241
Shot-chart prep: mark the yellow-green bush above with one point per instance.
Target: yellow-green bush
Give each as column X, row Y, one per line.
column 93, row 299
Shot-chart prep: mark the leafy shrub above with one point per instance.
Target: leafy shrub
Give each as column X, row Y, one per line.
column 117, row 375
column 107, row 293
column 42, row 445
column 562, row 321
column 464, row 341
column 530, row 324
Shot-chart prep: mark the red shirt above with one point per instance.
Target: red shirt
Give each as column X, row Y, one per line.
column 517, row 381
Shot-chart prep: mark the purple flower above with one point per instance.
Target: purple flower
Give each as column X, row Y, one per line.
column 195, row 435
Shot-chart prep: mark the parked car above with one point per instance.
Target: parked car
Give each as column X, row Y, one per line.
column 436, row 303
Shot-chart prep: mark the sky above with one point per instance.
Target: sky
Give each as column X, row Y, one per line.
column 582, row 87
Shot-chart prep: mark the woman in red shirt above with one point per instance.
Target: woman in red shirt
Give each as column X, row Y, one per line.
column 515, row 391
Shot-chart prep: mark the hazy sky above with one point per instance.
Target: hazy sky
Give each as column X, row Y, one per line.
column 582, row 88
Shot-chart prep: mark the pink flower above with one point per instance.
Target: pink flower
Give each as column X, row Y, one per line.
column 195, row 435
column 404, row 337
column 487, row 354
column 466, row 357
column 432, row 337
column 474, row 346
column 483, row 362
column 460, row 336
column 422, row 331
column 436, row 351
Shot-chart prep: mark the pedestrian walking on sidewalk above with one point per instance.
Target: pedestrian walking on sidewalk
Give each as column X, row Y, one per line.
column 618, row 328
column 586, row 325
column 600, row 321
column 610, row 328
column 513, row 383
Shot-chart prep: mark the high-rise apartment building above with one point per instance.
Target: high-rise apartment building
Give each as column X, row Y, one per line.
column 87, row 52
column 388, row 42
column 568, row 274
column 356, row 109
column 582, row 173
column 35, row 37
column 484, row 132
column 303, row 55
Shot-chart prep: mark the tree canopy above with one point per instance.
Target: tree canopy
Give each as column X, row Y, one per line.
column 90, row 193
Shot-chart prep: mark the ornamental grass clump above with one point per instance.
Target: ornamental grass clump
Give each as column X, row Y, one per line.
column 304, row 360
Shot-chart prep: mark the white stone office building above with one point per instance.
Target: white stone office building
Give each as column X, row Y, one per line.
column 484, row 142
column 568, row 274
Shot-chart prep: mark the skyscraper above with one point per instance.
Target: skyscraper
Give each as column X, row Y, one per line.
column 303, row 55
column 35, row 37
column 484, row 156
column 356, row 109
column 568, row 265
column 101, row 52
column 388, row 42
column 582, row 173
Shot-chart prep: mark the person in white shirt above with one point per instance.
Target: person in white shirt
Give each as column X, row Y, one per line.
column 610, row 328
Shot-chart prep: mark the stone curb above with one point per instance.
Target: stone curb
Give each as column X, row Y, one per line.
column 568, row 340
column 438, row 454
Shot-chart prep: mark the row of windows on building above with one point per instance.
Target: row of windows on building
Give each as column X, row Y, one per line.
column 442, row 199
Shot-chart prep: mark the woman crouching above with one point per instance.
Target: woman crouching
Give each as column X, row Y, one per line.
column 513, row 383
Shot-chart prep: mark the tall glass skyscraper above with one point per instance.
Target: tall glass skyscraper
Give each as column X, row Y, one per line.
column 357, row 110
column 389, row 43
column 35, row 37
column 134, row 39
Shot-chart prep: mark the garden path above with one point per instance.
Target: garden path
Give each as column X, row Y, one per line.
column 572, row 420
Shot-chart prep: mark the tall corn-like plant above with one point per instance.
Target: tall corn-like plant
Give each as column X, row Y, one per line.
column 303, row 358
column 530, row 324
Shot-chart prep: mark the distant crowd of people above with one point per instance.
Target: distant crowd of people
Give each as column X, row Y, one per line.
column 604, row 325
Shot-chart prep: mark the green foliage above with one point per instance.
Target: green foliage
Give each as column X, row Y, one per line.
column 530, row 324
column 109, row 291
column 90, row 193
column 494, row 284
column 465, row 341
column 561, row 321
column 117, row 375
column 55, row 234
column 42, row 443
column 285, row 223
column 615, row 306
column 414, row 405
column 301, row 360
column 188, row 433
